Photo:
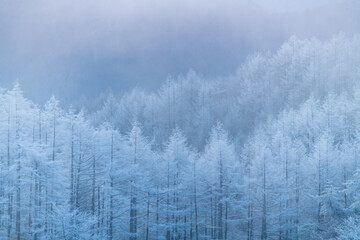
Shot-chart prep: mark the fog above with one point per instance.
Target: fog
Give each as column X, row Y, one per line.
column 79, row 49
column 179, row 119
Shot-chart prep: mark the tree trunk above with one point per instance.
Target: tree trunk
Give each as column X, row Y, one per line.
column 264, row 213
column 111, row 217
column 195, row 204
column 72, row 171
column 147, row 216
column 18, row 183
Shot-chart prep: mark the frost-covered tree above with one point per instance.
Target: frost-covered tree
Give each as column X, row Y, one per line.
column 270, row 152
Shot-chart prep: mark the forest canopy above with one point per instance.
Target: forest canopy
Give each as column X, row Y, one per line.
column 270, row 152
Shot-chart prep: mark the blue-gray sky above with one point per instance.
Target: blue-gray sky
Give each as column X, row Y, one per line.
column 80, row 48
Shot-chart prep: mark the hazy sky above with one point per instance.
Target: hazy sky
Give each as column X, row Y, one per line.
column 80, row 48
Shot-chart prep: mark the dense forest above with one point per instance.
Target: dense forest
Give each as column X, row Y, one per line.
column 270, row 152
